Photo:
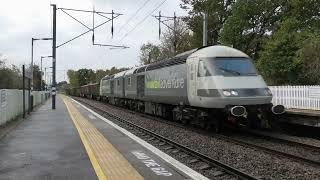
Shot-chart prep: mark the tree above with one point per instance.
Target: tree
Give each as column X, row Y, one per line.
column 251, row 23
column 217, row 10
column 309, row 58
column 86, row 76
column 149, row 53
column 278, row 61
column 36, row 78
column 289, row 56
column 100, row 74
column 175, row 40
column 73, row 78
column 10, row 77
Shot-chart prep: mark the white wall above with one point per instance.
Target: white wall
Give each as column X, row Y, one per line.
column 11, row 101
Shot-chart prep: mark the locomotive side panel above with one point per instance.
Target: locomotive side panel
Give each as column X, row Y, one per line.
column 119, row 87
column 106, row 87
column 130, row 86
column 167, row 85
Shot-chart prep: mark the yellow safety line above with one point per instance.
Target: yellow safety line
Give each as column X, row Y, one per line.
column 94, row 161
column 107, row 162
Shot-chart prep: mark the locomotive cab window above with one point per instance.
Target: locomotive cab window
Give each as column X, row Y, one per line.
column 226, row 66
column 203, row 69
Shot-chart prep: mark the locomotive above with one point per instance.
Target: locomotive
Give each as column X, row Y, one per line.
column 207, row 86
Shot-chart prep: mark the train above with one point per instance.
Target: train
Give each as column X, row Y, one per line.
column 209, row 86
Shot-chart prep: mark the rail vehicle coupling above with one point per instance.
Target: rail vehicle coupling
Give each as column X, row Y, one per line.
column 238, row 111
column 278, row 109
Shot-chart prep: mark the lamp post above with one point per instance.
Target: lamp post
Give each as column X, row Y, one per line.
column 41, row 70
column 45, row 75
column 31, row 65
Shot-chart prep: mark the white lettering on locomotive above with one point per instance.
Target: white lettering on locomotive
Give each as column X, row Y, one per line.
column 171, row 83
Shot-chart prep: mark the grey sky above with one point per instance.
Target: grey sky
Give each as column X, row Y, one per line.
column 21, row 20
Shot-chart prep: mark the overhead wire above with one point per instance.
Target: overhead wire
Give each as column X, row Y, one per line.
column 143, row 20
column 134, row 14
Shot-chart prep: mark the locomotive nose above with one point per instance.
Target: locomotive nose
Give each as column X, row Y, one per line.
column 278, row 109
column 238, row 110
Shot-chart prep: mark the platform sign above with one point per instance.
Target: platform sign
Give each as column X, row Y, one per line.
column 314, row 92
column 53, row 91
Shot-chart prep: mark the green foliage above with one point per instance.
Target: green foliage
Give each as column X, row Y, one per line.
column 10, row 77
column 278, row 62
column 218, row 11
column 85, row 76
column 280, row 35
column 36, row 78
column 149, row 53
column 73, row 78
column 251, row 23
column 309, row 58
column 100, row 74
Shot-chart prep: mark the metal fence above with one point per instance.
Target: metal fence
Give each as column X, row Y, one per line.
column 301, row 97
column 11, row 103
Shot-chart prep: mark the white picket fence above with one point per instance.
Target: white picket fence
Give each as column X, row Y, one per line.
column 11, row 104
column 300, row 97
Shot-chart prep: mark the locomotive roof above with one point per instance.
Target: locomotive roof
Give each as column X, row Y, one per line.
column 130, row 71
column 107, row 77
column 219, row 51
column 119, row 74
column 178, row 59
column 205, row 51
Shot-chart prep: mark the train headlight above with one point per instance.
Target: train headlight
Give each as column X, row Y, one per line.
column 234, row 93
column 226, row 93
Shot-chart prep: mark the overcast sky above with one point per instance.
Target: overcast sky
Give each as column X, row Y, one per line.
column 20, row 20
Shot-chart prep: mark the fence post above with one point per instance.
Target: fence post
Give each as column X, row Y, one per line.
column 23, row 92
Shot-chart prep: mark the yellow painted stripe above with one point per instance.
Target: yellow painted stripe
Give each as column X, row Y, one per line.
column 107, row 162
column 94, row 161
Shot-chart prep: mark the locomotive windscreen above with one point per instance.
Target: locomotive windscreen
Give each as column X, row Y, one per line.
column 226, row 66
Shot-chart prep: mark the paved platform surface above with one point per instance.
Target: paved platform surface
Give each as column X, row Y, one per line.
column 308, row 112
column 74, row 142
column 312, row 117
column 45, row 146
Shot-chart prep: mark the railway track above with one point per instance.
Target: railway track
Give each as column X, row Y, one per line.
column 284, row 140
column 194, row 155
column 252, row 145
column 314, row 162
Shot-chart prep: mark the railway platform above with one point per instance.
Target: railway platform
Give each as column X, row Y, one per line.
column 307, row 117
column 74, row 142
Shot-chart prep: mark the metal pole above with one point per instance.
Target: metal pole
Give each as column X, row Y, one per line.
column 32, row 39
column 23, row 92
column 29, row 99
column 112, row 23
column 54, row 57
column 41, row 75
column 205, row 30
column 45, row 77
column 159, row 24
column 31, row 87
column 174, row 33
